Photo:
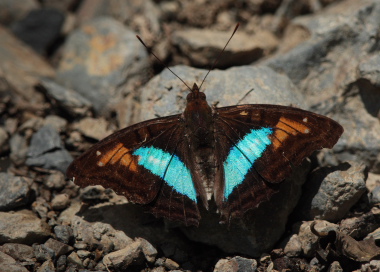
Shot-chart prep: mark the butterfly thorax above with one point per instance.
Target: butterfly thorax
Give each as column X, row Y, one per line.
column 199, row 127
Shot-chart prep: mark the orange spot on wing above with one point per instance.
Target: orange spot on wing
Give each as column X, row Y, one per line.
column 119, row 154
column 291, row 126
column 285, row 127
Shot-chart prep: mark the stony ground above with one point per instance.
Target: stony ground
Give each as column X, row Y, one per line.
column 72, row 72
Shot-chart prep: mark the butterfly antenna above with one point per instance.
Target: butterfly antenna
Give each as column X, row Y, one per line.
column 163, row 64
column 218, row 57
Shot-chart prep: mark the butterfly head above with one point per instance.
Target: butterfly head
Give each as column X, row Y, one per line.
column 195, row 94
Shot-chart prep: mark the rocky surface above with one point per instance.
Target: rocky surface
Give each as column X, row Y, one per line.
column 72, row 72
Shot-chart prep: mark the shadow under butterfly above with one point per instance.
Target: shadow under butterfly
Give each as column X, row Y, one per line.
column 235, row 155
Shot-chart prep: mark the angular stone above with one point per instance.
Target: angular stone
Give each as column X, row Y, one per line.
column 59, row 248
column 40, row 28
column 14, row 191
column 203, row 46
column 71, row 101
column 236, row 264
column 332, row 191
column 94, row 60
column 20, row 62
column 19, row 252
column 22, row 227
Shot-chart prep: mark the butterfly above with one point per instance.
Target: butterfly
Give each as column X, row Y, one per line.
column 236, row 155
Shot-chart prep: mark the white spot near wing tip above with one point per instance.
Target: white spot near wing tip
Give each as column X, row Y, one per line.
column 100, row 164
column 98, row 153
column 306, row 130
column 305, row 119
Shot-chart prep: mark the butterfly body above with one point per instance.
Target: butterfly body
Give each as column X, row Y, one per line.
column 236, row 155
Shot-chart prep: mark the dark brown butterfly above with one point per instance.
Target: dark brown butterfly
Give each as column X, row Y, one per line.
column 236, row 154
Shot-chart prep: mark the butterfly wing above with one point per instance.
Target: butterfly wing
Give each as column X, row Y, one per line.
column 143, row 163
column 258, row 144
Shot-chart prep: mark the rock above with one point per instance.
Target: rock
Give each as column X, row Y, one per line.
column 131, row 254
column 40, row 28
column 4, row 138
column 56, row 180
column 94, row 234
column 43, row 252
column 374, row 196
column 20, row 62
column 332, row 191
column 19, row 252
column 236, row 264
column 94, row 60
column 63, row 233
column 59, row 248
column 47, row 266
column 335, row 267
column 41, row 207
column 165, row 94
column 361, row 226
column 202, row 46
column 308, row 240
column 167, row 263
column 44, row 140
column 58, row 123
column 337, row 60
column 293, row 247
column 60, row 202
column 93, row 128
column 22, row 227
column 14, row 191
column 9, row 264
column 12, row 10
column 74, row 259
column 19, row 149
column 369, row 69
column 61, row 263
column 47, row 151
column 70, row 101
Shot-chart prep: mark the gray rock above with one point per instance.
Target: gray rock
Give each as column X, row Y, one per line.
column 13, row 10
column 236, row 264
column 41, row 207
column 293, row 246
column 20, row 62
column 43, row 252
column 19, row 252
column 331, row 192
column 72, row 102
column 102, row 60
column 56, row 122
column 61, row 263
column 19, row 148
column 22, row 227
column 339, row 60
column 335, row 267
column 44, row 140
column 309, row 241
column 59, row 248
column 166, row 95
column 14, row 191
column 47, row 151
column 374, row 196
column 60, row 202
column 202, row 47
column 131, row 254
column 93, row 128
column 369, row 69
column 97, row 233
column 74, row 259
column 63, row 233
column 40, row 28
column 56, row 180
column 360, row 226
column 47, row 266
column 9, row 264
column 4, row 138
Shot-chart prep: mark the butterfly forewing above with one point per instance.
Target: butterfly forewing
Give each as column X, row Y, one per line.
column 258, row 145
column 144, row 163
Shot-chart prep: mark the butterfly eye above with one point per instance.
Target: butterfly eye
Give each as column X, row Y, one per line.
column 202, row 96
column 190, row 97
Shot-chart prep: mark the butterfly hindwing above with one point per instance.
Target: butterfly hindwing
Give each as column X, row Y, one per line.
column 258, row 145
column 144, row 163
